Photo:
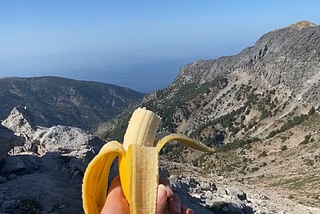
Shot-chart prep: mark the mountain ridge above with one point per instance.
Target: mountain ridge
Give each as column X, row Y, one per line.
column 252, row 58
column 64, row 101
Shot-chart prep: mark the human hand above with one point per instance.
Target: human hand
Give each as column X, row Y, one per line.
column 116, row 203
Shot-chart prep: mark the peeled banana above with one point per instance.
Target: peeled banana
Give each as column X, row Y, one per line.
column 138, row 159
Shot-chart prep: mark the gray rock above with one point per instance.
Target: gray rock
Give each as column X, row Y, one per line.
column 225, row 209
column 25, row 164
column 7, row 205
column 76, row 164
column 46, row 182
column 68, row 140
column 20, row 121
column 50, row 165
column 247, row 210
column 62, row 139
column 3, row 179
column 237, row 193
column 8, row 140
column 12, row 176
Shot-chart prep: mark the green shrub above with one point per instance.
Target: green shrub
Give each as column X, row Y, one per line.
column 247, row 111
column 234, row 145
column 284, row 148
column 263, row 154
column 306, row 139
column 289, row 124
column 273, row 133
column 254, row 169
column 312, row 111
column 256, row 139
column 263, row 164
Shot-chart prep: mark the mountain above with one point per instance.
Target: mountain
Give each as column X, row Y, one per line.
column 62, row 101
column 44, row 174
column 259, row 109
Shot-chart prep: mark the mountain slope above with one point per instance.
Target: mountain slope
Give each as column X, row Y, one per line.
column 56, row 100
column 258, row 108
column 281, row 56
column 280, row 72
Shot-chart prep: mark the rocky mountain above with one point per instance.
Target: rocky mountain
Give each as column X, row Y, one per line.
column 44, row 175
column 259, row 109
column 49, row 182
column 56, row 100
column 43, row 170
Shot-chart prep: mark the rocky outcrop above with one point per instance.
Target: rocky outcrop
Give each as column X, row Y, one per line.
column 216, row 194
column 47, row 184
column 8, row 140
column 68, row 141
column 20, row 121
column 288, row 57
column 43, row 174
column 62, row 139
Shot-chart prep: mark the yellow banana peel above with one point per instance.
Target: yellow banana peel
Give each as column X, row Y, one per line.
column 138, row 159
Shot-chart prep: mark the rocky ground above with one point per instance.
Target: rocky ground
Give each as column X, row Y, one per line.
column 43, row 171
column 45, row 176
column 218, row 194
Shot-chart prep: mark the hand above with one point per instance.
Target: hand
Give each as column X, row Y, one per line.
column 116, row 203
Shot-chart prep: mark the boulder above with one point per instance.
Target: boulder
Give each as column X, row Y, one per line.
column 66, row 140
column 25, row 164
column 8, row 140
column 20, row 121
column 50, row 183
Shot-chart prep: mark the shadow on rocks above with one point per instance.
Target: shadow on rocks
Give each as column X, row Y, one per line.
column 51, row 183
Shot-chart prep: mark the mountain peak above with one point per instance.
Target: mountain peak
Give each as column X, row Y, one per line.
column 302, row 24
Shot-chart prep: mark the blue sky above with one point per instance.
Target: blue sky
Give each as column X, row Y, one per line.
column 138, row 44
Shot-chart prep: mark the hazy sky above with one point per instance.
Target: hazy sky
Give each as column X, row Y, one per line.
column 140, row 44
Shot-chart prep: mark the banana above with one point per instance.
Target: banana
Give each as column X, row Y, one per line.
column 138, row 159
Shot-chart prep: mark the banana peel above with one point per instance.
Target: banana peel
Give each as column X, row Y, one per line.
column 138, row 159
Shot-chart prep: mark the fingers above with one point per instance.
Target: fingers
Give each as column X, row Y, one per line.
column 167, row 185
column 173, row 200
column 115, row 187
column 174, row 205
column 185, row 210
column 116, row 202
column 162, row 199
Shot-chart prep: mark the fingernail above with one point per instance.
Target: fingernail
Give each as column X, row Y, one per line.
column 190, row 211
column 162, row 193
column 177, row 207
